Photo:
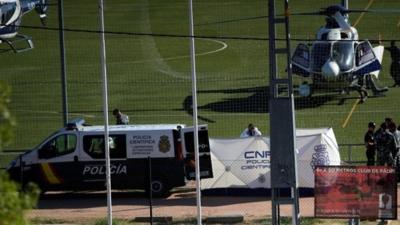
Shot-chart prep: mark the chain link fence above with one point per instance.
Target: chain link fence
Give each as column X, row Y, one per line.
column 149, row 80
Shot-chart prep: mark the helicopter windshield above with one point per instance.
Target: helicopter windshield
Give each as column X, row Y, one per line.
column 7, row 10
column 319, row 55
column 343, row 54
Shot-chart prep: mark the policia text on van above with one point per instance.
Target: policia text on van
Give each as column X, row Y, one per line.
column 73, row 158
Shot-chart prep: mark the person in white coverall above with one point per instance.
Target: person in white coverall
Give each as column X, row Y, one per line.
column 250, row 131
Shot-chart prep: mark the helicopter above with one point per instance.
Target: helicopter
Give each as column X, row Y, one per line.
column 11, row 12
column 338, row 57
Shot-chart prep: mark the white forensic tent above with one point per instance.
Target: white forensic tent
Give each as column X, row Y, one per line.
column 245, row 162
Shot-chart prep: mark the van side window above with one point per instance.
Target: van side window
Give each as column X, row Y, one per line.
column 93, row 145
column 60, row 145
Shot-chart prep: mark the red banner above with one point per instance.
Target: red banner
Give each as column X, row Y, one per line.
column 366, row 192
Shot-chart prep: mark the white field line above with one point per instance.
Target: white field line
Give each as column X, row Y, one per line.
column 127, row 62
column 347, row 120
column 216, row 114
column 157, row 62
column 187, row 77
column 224, row 46
column 52, row 112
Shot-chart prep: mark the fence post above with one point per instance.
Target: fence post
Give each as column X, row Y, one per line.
column 21, row 172
column 150, row 192
column 349, row 154
column 354, row 221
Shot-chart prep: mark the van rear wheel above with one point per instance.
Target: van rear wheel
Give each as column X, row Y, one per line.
column 159, row 189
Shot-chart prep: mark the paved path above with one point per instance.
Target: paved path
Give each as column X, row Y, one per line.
column 129, row 205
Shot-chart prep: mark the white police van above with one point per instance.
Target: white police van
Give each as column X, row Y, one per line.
column 73, row 158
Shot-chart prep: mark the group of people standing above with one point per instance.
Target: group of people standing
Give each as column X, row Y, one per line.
column 383, row 142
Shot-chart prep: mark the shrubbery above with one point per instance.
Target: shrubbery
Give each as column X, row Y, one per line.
column 13, row 202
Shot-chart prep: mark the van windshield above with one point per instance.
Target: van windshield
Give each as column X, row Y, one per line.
column 46, row 139
column 60, row 145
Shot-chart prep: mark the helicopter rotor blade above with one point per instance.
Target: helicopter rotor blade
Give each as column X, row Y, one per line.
column 324, row 13
column 306, row 14
column 332, row 10
column 384, row 10
column 356, row 11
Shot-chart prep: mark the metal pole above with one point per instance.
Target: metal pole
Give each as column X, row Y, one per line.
column 345, row 3
column 105, row 110
column 151, row 191
column 349, row 154
column 195, row 121
column 63, row 62
column 21, row 171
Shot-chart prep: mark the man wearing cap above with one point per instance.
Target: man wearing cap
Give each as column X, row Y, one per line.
column 121, row 118
column 370, row 144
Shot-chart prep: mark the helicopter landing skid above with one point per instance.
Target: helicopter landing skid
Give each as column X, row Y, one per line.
column 15, row 43
column 362, row 92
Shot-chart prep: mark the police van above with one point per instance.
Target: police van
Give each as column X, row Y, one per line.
column 73, row 158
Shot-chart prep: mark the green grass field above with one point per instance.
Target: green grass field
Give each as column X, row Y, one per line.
column 149, row 76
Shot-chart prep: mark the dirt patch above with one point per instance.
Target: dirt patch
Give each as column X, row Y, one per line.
column 181, row 204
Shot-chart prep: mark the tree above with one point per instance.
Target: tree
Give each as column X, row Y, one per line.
column 13, row 202
column 7, row 122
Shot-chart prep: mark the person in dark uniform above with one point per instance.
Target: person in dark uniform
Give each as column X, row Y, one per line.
column 121, row 119
column 370, row 144
column 395, row 66
column 385, row 145
column 396, row 153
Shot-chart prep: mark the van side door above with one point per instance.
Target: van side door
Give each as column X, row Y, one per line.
column 56, row 164
column 93, row 170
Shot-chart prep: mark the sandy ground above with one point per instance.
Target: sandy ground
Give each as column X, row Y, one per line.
column 181, row 204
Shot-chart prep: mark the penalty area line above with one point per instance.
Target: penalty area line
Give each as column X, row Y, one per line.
column 358, row 100
column 350, row 113
column 362, row 14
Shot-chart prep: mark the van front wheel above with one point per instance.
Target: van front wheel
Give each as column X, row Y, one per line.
column 158, row 189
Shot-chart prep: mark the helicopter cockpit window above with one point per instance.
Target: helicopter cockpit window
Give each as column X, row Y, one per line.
column 364, row 53
column 7, row 10
column 343, row 54
column 320, row 53
column 302, row 56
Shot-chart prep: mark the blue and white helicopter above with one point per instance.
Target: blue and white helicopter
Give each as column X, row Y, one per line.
column 337, row 57
column 11, row 12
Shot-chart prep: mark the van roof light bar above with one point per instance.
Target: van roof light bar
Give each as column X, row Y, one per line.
column 75, row 124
